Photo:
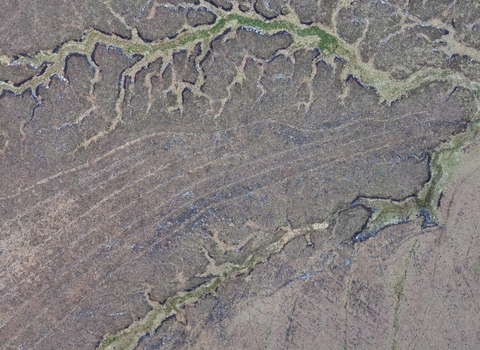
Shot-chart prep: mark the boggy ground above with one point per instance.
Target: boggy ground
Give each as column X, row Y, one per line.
column 203, row 191
column 406, row 288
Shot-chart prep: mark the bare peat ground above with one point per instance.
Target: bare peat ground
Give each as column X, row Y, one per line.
column 278, row 175
column 406, row 288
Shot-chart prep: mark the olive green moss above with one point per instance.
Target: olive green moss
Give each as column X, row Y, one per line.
column 327, row 43
column 443, row 163
column 130, row 337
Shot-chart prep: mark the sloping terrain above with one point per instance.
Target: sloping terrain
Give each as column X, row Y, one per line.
column 239, row 174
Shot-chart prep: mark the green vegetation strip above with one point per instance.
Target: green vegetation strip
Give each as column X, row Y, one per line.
column 442, row 165
column 150, row 50
column 444, row 162
column 128, row 338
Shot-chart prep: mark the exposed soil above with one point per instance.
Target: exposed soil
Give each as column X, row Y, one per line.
column 194, row 175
